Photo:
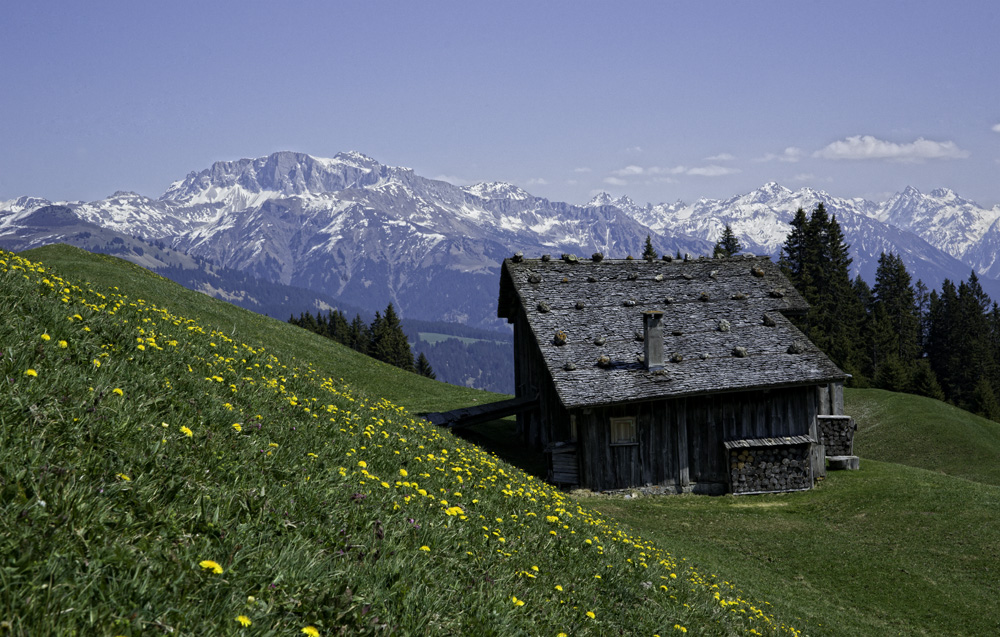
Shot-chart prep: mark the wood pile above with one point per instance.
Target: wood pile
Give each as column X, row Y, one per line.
column 770, row 469
column 837, row 434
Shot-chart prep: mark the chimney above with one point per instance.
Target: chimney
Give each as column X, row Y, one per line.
column 652, row 339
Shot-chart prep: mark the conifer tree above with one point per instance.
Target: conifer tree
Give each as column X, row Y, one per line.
column 793, row 256
column 817, row 261
column 648, row 253
column 984, row 400
column 424, row 367
column 360, row 336
column 389, row 343
column 728, row 244
column 896, row 300
column 924, row 382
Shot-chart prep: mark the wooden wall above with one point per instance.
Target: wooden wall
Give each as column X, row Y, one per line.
column 550, row 422
column 679, row 441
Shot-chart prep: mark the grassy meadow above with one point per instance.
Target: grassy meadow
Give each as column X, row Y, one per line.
column 908, row 545
column 206, row 438
column 170, row 464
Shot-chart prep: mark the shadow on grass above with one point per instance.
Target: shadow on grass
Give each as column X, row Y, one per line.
column 501, row 437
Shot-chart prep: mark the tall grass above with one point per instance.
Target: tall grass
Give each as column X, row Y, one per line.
column 161, row 476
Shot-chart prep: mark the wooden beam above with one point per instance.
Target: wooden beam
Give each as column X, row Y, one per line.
column 468, row 416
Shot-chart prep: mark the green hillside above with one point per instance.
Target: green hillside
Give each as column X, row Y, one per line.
column 172, row 465
column 925, row 433
column 909, row 545
column 371, row 377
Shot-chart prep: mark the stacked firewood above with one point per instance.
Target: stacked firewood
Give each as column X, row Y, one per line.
column 769, row 469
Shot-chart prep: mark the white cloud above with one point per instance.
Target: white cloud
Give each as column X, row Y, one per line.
column 790, row 155
column 996, row 128
column 721, row 157
column 537, row 181
column 868, row 147
column 804, row 177
column 712, row 171
column 629, row 171
column 581, row 169
column 633, row 149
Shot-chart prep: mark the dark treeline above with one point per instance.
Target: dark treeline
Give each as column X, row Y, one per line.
column 483, row 364
column 895, row 335
column 383, row 339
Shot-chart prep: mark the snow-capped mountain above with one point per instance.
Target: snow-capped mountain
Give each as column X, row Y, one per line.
column 359, row 230
column 369, row 234
column 938, row 236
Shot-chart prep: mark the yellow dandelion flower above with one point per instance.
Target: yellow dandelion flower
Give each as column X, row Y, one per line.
column 362, row 464
column 31, row 372
column 402, row 472
column 210, row 565
column 63, row 344
column 46, row 337
column 187, row 432
column 425, row 548
column 311, row 631
column 591, row 614
column 118, row 392
column 124, row 477
column 272, row 444
column 238, row 427
column 516, row 601
column 96, row 362
column 243, row 620
column 559, row 587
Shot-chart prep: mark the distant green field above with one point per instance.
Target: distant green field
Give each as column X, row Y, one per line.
column 433, row 338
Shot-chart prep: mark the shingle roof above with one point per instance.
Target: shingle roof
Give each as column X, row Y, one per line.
column 588, row 301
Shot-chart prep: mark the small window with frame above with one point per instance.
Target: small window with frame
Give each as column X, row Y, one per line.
column 623, row 431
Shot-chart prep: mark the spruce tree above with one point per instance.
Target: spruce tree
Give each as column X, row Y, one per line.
column 389, row 343
column 728, row 244
column 924, row 382
column 792, row 255
column 648, row 253
column 895, row 297
column 424, row 367
column 984, row 400
column 360, row 336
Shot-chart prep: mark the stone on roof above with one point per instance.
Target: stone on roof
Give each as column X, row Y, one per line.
column 724, row 326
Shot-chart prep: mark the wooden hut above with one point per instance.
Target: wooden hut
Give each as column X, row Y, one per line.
column 683, row 375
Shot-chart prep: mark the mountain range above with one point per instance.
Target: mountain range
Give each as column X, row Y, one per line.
column 364, row 233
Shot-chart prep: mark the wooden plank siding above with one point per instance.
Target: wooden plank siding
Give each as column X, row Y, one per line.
column 680, row 442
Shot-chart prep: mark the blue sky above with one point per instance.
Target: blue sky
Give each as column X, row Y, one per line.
column 658, row 100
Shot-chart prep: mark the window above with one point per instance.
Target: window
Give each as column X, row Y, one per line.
column 572, row 427
column 623, row 431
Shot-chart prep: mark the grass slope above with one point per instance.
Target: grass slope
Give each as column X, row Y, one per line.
column 909, row 545
column 888, row 550
column 161, row 476
column 107, row 273
column 926, row 433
